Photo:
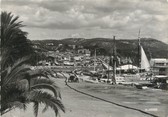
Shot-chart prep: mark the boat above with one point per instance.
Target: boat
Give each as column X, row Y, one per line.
column 119, row 80
column 157, row 81
column 160, row 82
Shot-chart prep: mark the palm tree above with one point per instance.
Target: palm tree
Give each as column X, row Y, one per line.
column 14, row 42
column 21, row 85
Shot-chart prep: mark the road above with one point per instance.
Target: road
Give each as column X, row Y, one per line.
column 79, row 105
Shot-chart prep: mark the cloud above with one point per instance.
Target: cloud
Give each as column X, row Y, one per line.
column 89, row 18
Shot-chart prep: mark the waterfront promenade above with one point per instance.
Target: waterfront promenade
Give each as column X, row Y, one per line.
column 79, row 105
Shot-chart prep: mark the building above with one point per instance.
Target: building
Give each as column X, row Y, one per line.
column 159, row 66
column 72, row 46
column 49, row 44
column 84, row 51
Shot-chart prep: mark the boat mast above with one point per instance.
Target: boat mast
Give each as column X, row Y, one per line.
column 139, row 53
column 109, row 67
column 108, row 72
column 95, row 61
column 114, row 61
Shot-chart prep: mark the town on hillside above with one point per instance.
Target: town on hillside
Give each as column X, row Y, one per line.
column 102, row 68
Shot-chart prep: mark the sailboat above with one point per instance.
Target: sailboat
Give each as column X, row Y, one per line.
column 114, row 78
column 144, row 60
column 143, row 65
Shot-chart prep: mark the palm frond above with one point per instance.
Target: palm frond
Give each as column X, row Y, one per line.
column 14, row 42
column 48, row 87
column 36, row 107
column 14, row 20
column 47, row 99
column 45, row 109
column 14, row 74
column 38, row 72
column 10, row 96
column 20, row 62
column 46, row 84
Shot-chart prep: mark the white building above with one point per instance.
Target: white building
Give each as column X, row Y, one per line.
column 159, row 66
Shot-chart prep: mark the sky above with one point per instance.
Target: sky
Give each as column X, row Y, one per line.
column 57, row 19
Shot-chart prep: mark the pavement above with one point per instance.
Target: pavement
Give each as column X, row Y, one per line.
column 79, row 105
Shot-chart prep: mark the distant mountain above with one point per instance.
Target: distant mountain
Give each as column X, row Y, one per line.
column 104, row 46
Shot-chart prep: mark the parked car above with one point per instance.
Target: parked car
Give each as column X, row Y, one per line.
column 73, row 78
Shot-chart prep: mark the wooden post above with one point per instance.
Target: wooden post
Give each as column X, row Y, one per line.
column 114, row 61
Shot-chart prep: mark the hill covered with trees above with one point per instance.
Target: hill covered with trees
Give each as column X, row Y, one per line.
column 104, row 46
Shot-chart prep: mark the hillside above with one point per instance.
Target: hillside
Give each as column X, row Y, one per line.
column 104, row 46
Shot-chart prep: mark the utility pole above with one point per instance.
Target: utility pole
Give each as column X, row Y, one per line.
column 114, row 61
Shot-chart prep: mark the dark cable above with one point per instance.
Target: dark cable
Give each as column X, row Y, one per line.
column 110, row 101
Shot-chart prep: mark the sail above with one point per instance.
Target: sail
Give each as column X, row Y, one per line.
column 144, row 60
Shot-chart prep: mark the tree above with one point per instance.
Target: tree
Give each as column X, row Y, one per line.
column 14, row 42
column 20, row 84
